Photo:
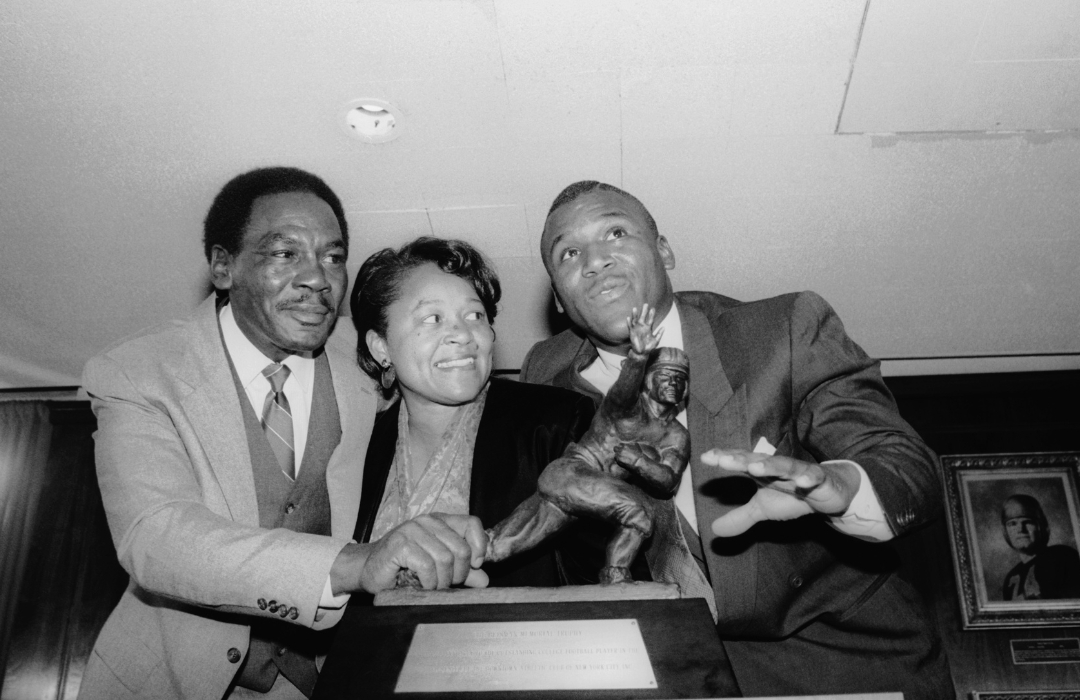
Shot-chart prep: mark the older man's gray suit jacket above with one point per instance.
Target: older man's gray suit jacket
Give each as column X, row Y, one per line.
column 176, row 479
column 802, row 608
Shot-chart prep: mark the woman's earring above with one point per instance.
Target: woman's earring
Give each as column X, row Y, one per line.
column 389, row 376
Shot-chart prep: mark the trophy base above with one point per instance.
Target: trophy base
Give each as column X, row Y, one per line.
column 369, row 656
column 638, row 590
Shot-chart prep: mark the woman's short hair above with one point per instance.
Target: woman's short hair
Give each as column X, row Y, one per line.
column 378, row 284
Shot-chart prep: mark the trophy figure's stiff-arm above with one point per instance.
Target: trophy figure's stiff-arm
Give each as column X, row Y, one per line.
column 635, row 442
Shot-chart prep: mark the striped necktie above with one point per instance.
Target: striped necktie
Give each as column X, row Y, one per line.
column 277, row 419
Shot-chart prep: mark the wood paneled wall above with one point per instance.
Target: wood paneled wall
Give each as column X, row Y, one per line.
column 72, row 580
column 986, row 414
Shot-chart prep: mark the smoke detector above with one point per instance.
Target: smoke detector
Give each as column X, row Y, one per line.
column 372, row 120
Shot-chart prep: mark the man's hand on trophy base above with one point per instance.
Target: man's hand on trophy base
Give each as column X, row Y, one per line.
column 615, row 574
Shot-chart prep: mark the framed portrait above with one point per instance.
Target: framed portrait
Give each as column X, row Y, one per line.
column 1026, row 695
column 1014, row 521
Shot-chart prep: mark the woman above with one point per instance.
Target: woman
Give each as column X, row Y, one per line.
column 457, row 441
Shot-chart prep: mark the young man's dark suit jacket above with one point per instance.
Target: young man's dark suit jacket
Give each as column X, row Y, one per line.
column 802, row 608
column 523, row 429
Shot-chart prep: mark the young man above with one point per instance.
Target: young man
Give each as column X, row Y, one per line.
column 804, row 606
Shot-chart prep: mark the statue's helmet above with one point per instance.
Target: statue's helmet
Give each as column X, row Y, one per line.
column 669, row 357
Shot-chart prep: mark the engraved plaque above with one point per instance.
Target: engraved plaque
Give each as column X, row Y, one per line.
column 1062, row 650
column 547, row 655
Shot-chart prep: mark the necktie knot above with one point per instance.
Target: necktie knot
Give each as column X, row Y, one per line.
column 277, row 374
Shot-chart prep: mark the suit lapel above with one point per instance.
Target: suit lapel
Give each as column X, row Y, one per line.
column 501, row 456
column 379, row 457
column 716, row 415
column 213, row 407
column 356, row 407
column 717, row 411
column 708, row 383
column 570, row 376
column 489, row 445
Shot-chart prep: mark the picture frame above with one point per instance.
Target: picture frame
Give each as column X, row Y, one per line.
column 999, row 585
column 1026, row 695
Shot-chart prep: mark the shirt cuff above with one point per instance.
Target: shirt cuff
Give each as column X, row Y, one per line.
column 864, row 518
column 329, row 600
column 331, row 607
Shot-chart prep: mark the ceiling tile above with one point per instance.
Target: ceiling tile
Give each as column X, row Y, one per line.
column 460, row 177
column 1031, row 30
column 920, row 31
column 670, row 175
column 371, row 231
column 107, row 57
column 897, row 97
column 541, row 170
column 375, row 230
column 565, row 36
column 535, row 217
column 788, row 31
column 691, row 101
column 966, row 66
column 373, row 177
column 1015, row 96
column 800, row 164
column 444, row 40
column 542, row 39
column 788, row 99
column 583, row 107
column 499, row 232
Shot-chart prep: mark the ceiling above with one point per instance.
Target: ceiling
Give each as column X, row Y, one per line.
column 917, row 162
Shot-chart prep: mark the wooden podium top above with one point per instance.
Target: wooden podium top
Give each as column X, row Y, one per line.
column 371, row 645
column 845, row 696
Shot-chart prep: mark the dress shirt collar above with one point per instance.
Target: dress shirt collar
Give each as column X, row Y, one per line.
column 604, row 370
column 249, row 361
column 672, row 338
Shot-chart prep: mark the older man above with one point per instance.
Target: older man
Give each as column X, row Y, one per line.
column 804, row 604
column 229, row 453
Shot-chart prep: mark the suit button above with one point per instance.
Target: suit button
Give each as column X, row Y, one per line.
column 294, row 613
column 281, row 651
column 796, row 581
column 273, row 606
column 262, row 603
column 283, row 610
column 290, row 508
column 233, row 655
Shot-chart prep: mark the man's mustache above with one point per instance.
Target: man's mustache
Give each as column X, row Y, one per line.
column 304, row 303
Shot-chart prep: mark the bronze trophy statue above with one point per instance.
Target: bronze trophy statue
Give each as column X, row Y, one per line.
column 634, row 437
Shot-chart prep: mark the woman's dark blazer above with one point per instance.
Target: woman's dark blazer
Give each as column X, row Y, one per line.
column 524, row 428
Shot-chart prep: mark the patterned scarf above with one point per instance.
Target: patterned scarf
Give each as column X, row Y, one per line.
column 443, row 487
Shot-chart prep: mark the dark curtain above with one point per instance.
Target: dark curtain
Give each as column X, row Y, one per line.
column 25, row 434
column 59, row 577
